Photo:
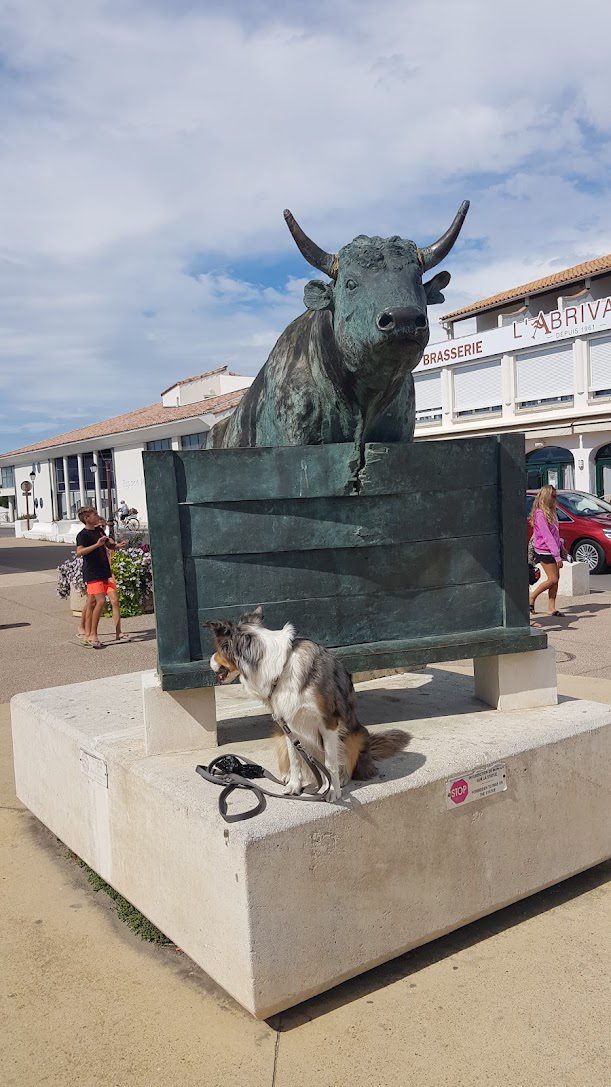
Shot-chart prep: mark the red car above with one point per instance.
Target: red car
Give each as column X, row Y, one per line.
column 585, row 527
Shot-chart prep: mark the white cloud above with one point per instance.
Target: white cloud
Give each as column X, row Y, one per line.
column 139, row 137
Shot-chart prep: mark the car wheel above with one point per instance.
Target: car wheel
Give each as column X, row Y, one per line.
column 592, row 553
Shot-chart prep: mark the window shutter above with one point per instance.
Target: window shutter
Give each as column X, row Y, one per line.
column 477, row 386
column 600, row 364
column 428, row 396
column 544, row 375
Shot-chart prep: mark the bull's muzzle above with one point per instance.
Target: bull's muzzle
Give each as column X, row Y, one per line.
column 407, row 321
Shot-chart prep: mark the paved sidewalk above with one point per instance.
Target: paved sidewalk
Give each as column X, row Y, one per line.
column 520, row 997
column 38, row 643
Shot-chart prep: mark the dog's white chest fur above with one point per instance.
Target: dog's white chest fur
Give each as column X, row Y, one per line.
column 278, row 681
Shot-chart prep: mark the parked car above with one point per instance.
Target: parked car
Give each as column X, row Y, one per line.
column 585, row 527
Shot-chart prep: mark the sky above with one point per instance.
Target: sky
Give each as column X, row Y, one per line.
column 149, row 148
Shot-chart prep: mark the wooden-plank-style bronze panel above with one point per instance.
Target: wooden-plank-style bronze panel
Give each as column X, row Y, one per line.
column 342, row 620
column 417, row 554
column 238, row 528
column 222, row 580
column 245, row 475
column 512, row 527
column 396, row 653
column 171, row 611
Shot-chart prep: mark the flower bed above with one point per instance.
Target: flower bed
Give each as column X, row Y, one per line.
column 131, row 568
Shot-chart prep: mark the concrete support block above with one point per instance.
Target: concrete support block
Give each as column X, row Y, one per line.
column 574, row 579
column 517, row 681
column 177, row 720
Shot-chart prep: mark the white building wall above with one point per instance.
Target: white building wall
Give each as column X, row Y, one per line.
column 41, row 491
column 129, row 473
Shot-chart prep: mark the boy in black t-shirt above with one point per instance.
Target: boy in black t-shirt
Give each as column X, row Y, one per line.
column 91, row 544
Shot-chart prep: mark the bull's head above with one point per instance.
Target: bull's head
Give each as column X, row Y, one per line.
column 377, row 297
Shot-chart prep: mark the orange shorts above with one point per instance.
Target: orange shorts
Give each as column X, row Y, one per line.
column 97, row 588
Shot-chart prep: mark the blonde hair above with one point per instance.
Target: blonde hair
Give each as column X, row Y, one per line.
column 545, row 500
column 84, row 512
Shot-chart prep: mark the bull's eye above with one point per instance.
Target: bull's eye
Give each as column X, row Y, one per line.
column 351, row 285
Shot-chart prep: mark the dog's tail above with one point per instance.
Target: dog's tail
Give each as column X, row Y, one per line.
column 382, row 745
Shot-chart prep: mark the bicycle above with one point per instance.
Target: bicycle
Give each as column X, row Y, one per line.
column 128, row 520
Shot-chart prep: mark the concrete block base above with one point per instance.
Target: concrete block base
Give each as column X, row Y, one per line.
column 574, row 579
column 483, row 809
column 517, row 681
column 177, row 720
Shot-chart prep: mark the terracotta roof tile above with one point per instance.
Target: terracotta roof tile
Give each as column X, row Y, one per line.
column 569, row 275
column 152, row 415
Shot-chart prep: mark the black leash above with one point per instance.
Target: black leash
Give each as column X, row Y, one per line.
column 235, row 772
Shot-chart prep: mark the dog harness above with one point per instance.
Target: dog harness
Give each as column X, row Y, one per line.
column 235, row 772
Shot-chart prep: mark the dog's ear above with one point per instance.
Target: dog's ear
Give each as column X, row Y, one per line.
column 221, row 628
column 253, row 618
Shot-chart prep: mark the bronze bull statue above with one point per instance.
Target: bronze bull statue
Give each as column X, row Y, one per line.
column 342, row 371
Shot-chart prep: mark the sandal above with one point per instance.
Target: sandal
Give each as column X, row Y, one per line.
column 95, row 645
column 531, row 608
column 559, row 613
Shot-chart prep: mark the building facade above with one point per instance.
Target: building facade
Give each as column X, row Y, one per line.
column 102, row 464
column 535, row 358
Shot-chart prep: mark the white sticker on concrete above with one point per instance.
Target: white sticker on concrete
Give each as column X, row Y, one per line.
column 94, row 767
column 477, row 785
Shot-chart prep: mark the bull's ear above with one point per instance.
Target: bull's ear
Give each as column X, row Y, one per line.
column 433, row 288
column 318, row 295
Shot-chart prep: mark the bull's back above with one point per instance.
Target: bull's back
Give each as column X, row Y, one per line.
column 279, row 408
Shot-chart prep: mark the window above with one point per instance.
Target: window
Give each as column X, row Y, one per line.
column 59, row 474
column 477, row 388
column 73, row 473
column 600, row 367
column 8, row 477
column 160, row 443
column 195, row 441
column 584, row 504
column 544, row 377
column 428, row 397
column 87, row 473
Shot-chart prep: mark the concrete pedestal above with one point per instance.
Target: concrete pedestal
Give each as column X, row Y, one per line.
column 517, row 681
column 574, row 579
column 484, row 808
column 177, row 720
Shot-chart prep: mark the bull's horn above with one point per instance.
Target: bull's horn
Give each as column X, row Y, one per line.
column 434, row 254
column 317, row 257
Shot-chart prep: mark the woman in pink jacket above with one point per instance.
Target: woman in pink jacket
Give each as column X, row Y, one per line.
column 547, row 544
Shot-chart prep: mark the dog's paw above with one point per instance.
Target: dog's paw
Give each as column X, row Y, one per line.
column 334, row 794
column 293, row 787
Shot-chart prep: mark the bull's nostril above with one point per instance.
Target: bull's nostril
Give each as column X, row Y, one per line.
column 421, row 322
column 385, row 322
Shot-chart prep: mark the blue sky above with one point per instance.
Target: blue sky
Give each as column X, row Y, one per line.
column 150, row 148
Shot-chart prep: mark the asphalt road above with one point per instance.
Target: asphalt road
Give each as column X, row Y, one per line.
column 30, row 556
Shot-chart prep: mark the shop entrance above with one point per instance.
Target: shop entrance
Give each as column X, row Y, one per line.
column 552, row 465
column 603, row 471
